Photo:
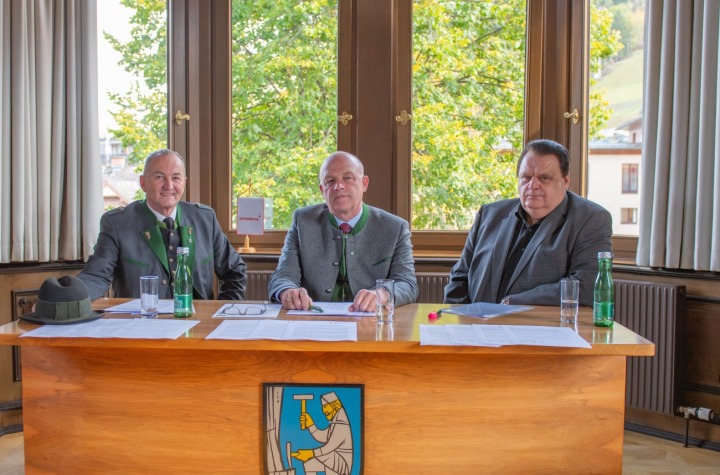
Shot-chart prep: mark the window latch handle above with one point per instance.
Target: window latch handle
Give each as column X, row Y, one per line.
column 575, row 115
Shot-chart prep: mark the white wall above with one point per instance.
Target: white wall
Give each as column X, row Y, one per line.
column 605, row 186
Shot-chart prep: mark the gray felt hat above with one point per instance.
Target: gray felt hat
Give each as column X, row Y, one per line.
column 62, row 301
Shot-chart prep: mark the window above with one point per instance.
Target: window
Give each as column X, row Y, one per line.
column 468, row 76
column 132, row 83
column 628, row 215
column 630, row 178
column 284, row 96
column 615, row 122
column 373, row 55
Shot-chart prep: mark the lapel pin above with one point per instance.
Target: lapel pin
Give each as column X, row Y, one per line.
column 147, row 235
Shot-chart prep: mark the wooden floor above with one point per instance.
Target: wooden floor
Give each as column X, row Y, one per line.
column 642, row 455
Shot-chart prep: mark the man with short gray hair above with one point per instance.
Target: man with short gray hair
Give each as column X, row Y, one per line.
column 336, row 251
column 142, row 239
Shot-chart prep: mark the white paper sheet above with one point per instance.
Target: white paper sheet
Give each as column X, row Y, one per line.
column 284, row 330
column 142, row 328
column 332, row 308
column 500, row 335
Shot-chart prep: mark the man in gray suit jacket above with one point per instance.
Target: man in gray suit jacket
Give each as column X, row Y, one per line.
column 336, row 251
column 141, row 239
column 518, row 250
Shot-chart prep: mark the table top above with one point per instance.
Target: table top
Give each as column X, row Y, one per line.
column 403, row 336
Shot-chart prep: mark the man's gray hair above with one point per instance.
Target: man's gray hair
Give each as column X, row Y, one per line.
column 161, row 153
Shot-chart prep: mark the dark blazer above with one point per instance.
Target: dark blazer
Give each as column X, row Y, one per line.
column 130, row 245
column 313, row 247
column 566, row 243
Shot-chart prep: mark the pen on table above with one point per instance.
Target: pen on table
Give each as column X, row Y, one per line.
column 316, row 308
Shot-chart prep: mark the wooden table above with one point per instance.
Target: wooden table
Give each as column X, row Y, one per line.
column 195, row 406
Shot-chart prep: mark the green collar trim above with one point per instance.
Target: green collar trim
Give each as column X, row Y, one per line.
column 360, row 224
column 178, row 215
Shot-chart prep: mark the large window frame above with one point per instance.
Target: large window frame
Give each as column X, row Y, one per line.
column 374, row 85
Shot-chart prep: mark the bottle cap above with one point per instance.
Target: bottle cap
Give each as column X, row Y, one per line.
column 601, row 254
column 183, row 250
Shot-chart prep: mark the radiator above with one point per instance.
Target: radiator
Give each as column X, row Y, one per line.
column 257, row 284
column 656, row 312
column 432, row 285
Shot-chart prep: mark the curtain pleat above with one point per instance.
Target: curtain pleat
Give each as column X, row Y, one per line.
column 50, row 140
column 679, row 200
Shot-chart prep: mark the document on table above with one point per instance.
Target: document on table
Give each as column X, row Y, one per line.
column 248, row 310
column 165, row 307
column 141, row 328
column 500, row 335
column 485, row 310
column 284, row 330
column 332, row 308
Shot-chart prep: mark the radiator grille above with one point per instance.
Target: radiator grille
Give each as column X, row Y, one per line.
column 257, row 284
column 432, row 285
column 656, row 312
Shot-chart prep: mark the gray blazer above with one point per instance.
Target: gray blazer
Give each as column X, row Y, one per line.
column 130, row 245
column 566, row 244
column 311, row 255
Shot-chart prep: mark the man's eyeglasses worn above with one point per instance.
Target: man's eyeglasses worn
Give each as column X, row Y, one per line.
column 243, row 309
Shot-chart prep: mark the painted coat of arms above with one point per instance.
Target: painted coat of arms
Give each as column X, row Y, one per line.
column 312, row 429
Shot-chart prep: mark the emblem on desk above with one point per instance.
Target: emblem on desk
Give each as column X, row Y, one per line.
column 311, row 429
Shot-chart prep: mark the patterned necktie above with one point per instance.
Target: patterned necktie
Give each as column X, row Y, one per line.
column 345, row 228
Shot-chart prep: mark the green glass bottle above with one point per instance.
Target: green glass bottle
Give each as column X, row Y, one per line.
column 604, row 295
column 183, row 285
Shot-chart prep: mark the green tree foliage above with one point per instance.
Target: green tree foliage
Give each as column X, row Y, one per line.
column 141, row 114
column 468, row 85
column 604, row 43
column 284, row 119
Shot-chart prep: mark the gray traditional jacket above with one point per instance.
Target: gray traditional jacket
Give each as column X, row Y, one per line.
column 131, row 245
column 313, row 247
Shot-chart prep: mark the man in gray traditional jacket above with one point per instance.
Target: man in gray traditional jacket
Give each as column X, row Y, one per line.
column 142, row 239
column 336, row 251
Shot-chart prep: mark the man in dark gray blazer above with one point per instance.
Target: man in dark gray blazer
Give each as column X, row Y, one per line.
column 518, row 249
column 336, row 251
column 141, row 239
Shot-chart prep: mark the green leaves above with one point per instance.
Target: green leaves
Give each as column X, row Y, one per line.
column 468, row 77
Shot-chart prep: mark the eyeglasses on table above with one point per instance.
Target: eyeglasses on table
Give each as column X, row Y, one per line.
column 243, row 309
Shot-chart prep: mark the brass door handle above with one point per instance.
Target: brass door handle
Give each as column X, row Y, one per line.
column 404, row 117
column 574, row 115
column 344, row 118
column 179, row 117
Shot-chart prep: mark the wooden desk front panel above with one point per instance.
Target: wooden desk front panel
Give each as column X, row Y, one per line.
column 134, row 410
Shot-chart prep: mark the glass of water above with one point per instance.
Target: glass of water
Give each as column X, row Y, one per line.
column 569, row 295
column 385, row 292
column 149, row 296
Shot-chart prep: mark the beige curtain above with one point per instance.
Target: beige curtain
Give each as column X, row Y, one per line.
column 51, row 186
column 680, row 172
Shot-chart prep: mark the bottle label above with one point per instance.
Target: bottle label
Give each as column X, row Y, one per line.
column 603, row 314
column 183, row 305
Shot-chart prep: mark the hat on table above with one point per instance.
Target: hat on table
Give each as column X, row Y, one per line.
column 62, row 301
